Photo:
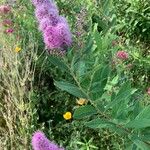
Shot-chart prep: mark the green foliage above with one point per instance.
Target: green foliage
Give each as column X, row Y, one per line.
column 84, row 111
column 133, row 17
column 36, row 89
column 70, row 88
column 117, row 112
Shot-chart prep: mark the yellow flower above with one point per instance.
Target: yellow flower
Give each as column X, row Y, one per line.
column 81, row 101
column 67, row 116
column 17, row 49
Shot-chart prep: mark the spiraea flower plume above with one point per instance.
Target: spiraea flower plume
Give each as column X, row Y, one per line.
column 55, row 29
column 40, row 142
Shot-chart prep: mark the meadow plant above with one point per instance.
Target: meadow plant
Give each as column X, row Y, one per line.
column 37, row 3
column 5, row 9
column 7, row 22
column 55, row 29
column 40, row 142
column 106, row 99
column 122, row 55
column 16, row 72
column 112, row 102
column 80, row 24
column 10, row 30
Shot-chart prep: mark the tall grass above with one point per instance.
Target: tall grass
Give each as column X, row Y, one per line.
column 17, row 116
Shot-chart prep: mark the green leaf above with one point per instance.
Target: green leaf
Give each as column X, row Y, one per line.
column 97, row 38
column 123, row 95
column 141, row 145
column 98, row 123
column 100, row 74
column 57, row 62
column 81, row 68
column 99, row 81
column 70, row 88
column 138, row 123
column 106, row 7
column 145, row 113
column 84, row 111
column 89, row 45
column 115, row 80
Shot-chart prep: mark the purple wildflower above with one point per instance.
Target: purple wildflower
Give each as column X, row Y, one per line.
column 40, row 142
column 63, row 20
column 43, row 12
column 57, row 36
column 38, row 3
column 44, row 23
column 55, row 28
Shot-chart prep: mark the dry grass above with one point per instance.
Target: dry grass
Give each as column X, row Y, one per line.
column 16, row 76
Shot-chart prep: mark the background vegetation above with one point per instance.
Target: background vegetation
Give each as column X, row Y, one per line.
column 36, row 88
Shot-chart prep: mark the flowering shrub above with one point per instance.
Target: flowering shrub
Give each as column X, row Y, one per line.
column 111, row 99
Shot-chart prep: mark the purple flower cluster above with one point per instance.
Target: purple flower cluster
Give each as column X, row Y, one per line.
column 40, row 142
column 55, row 29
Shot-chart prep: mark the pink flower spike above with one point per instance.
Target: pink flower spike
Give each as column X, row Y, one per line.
column 10, row 30
column 7, row 22
column 4, row 9
column 122, row 55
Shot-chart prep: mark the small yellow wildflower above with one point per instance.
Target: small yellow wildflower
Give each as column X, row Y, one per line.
column 67, row 116
column 17, row 49
column 81, row 101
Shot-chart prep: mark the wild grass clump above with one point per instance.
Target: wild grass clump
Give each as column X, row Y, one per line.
column 16, row 108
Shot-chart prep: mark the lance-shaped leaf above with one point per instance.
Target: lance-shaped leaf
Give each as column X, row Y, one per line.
column 84, row 111
column 145, row 113
column 98, row 123
column 138, row 123
column 123, row 95
column 70, row 88
column 99, row 81
column 58, row 62
column 142, row 120
column 141, row 145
